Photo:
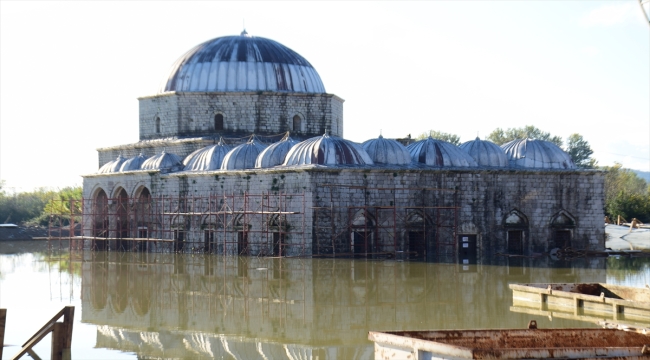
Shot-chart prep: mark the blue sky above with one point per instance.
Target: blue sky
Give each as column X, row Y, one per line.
column 71, row 72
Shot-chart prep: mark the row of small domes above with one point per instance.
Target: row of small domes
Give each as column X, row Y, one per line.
column 331, row 150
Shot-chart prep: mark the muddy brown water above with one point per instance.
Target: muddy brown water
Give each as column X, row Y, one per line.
column 144, row 305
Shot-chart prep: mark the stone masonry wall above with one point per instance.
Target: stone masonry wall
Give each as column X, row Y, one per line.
column 192, row 114
column 485, row 198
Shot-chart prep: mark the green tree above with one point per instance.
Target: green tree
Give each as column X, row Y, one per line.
column 626, row 194
column 439, row 135
column 580, row 151
column 500, row 136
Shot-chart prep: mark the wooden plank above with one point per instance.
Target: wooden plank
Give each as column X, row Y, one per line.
column 68, row 321
column 48, row 326
column 58, row 339
column 33, row 341
column 3, row 320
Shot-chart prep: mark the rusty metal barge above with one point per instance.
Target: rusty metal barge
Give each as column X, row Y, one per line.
column 531, row 343
column 592, row 302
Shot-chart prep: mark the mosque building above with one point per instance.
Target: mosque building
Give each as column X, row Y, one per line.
column 241, row 151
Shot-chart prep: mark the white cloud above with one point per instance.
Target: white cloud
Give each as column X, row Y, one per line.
column 611, row 14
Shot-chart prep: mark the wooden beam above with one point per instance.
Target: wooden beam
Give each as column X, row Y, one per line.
column 3, row 319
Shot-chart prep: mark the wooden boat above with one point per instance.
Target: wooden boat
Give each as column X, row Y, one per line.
column 590, row 301
column 531, row 343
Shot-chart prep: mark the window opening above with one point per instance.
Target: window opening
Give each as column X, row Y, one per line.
column 218, row 122
column 297, row 123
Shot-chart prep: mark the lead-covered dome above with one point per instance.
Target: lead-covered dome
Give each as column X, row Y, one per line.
column 165, row 162
column 112, row 166
column 537, row 154
column 134, row 163
column 207, row 158
column 242, row 156
column 485, row 153
column 327, row 150
column 434, row 152
column 387, row 151
column 242, row 63
column 274, row 154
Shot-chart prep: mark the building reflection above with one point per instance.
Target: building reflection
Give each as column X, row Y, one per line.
column 176, row 305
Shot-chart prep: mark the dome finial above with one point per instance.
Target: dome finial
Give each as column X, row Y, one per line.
column 245, row 33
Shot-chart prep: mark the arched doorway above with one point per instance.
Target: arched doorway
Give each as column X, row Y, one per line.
column 277, row 227
column 122, row 220
column 516, row 226
column 562, row 225
column 419, row 237
column 100, row 220
column 143, row 218
column 361, row 234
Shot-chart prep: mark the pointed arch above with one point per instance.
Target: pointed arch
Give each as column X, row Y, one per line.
column 362, row 232
column 562, row 224
column 516, row 224
column 419, row 235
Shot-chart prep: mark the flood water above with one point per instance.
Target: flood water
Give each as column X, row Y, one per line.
column 151, row 305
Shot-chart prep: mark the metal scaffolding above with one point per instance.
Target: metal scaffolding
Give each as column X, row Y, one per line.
column 246, row 224
column 334, row 221
column 399, row 223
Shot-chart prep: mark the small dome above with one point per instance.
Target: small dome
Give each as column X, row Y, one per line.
column 537, row 154
column 242, row 63
column 134, row 163
column 486, row 153
column 274, row 154
column 165, row 162
column 434, row 152
column 327, row 150
column 207, row 158
column 112, row 166
column 242, row 156
column 387, row 151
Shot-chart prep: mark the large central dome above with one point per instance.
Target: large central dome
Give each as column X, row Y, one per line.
column 242, row 63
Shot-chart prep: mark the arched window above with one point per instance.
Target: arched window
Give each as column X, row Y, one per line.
column 218, row 122
column 157, row 125
column 297, row 123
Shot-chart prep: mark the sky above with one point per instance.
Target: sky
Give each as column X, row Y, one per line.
column 71, row 72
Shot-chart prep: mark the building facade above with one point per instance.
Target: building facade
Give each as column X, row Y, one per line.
column 242, row 152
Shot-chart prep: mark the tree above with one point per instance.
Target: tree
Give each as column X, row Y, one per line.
column 439, row 135
column 626, row 194
column 500, row 136
column 580, row 152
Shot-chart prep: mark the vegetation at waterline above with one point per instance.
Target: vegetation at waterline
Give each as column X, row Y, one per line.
column 35, row 207
column 626, row 194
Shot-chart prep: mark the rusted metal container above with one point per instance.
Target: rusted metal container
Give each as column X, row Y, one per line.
column 529, row 343
column 590, row 302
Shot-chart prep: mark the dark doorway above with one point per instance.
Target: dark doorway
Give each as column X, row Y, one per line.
column 360, row 243
column 242, row 243
column 417, row 244
column 278, row 244
column 122, row 220
column 516, row 242
column 562, row 238
column 101, row 221
column 208, row 240
column 179, row 240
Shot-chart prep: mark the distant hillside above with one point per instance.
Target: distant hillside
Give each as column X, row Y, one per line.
column 643, row 174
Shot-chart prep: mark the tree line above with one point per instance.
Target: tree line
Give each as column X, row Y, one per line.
column 35, row 207
column 626, row 194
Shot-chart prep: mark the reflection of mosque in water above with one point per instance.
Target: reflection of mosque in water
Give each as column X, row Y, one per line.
column 174, row 305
